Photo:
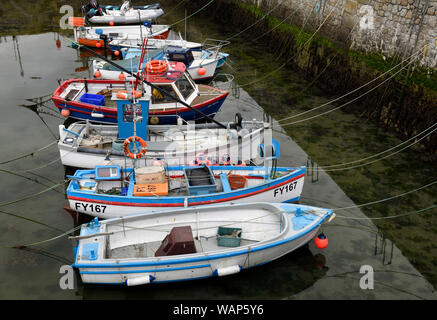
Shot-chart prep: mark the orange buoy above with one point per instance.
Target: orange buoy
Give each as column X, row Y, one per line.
column 122, row 94
column 97, row 74
column 116, row 53
column 201, row 71
column 156, row 66
column 142, row 150
column 321, row 241
column 137, row 93
column 65, row 112
column 121, row 76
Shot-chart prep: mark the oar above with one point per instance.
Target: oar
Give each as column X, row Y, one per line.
column 139, row 78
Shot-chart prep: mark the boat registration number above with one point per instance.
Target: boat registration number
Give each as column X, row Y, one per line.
column 287, row 188
column 98, row 208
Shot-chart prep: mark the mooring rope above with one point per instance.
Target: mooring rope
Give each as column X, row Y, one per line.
column 288, row 60
column 21, row 246
column 186, row 18
column 324, row 168
column 387, row 199
column 349, row 102
column 389, row 217
column 244, row 30
column 34, row 194
column 353, row 91
column 29, row 154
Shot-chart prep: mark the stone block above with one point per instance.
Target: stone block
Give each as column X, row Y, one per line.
column 351, row 6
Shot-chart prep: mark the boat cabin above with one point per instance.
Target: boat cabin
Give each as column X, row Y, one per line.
column 180, row 54
column 175, row 81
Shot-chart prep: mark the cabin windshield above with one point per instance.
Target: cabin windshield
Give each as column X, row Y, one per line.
column 184, row 86
column 158, row 97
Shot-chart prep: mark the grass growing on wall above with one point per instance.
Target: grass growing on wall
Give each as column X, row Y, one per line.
column 421, row 76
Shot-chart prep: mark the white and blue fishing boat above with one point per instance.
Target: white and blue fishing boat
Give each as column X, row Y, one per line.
column 201, row 64
column 124, row 14
column 192, row 243
column 109, row 191
column 94, row 36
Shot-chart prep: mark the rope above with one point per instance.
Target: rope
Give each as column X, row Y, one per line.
column 288, row 60
column 387, row 156
column 389, row 198
column 34, row 194
column 345, row 95
column 44, row 241
column 360, row 96
column 244, row 30
column 389, row 217
column 29, row 219
column 29, row 154
column 377, row 154
column 192, row 13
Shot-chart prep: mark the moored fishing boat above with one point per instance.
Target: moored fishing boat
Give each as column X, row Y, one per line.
column 109, row 191
column 199, row 65
column 91, row 99
column 192, row 243
column 93, row 36
column 125, row 14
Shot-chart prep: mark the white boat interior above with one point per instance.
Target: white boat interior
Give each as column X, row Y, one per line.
column 210, row 230
column 169, row 139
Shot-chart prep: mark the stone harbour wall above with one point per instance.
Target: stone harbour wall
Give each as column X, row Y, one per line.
column 391, row 27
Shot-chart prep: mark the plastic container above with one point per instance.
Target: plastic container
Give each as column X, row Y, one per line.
column 200, row 180
column 151, row 189
column 95, row 99
column 229, row 237
column 117, row 145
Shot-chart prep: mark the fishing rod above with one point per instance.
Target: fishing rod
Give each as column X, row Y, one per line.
column 164, row 92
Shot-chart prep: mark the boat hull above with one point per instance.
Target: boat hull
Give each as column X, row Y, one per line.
column 184, row 270
column 100, row 43
column 213, row 262
column 84, row 111
column 136, row 17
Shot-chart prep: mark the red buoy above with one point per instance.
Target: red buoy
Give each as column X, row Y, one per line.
column 201, row 71
column 117, row 53
column 111, row 23
column 121, row 76
column 65, row 112
column 98, row 44
column 97, row 74
column 321, row 241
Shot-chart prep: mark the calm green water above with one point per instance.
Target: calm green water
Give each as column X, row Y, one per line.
column 30, row 66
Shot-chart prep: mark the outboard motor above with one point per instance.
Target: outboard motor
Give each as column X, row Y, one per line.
column 92, row 9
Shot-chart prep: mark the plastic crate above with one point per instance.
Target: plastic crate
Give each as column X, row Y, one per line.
column 95, row 99
column 228, row 237
column 200, row 180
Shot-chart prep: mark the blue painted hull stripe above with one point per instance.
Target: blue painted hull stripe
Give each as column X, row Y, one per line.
column 147, row 271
